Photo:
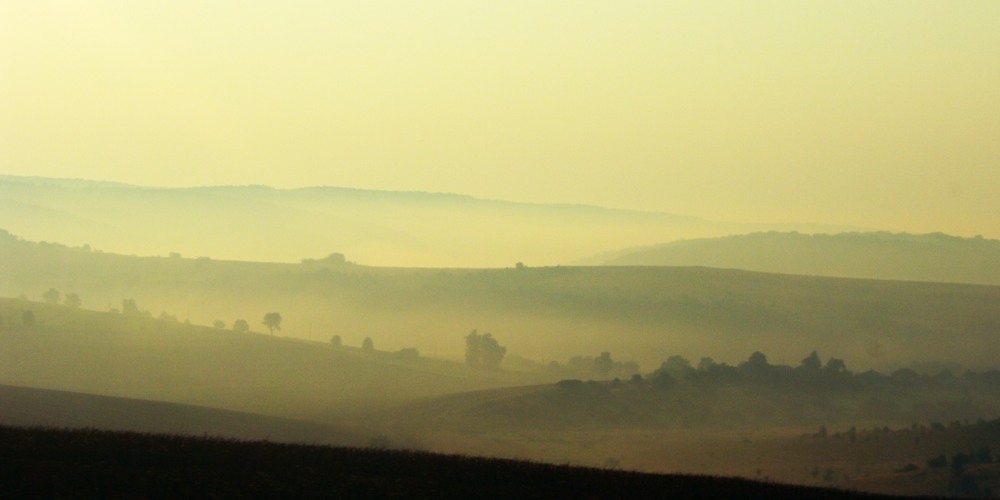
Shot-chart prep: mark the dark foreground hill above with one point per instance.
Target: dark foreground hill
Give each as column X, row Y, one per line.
column 27, row 406
column 48, row 463
column 875, row 255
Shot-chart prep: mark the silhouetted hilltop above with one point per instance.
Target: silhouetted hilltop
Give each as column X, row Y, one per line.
column 98, row 464
column 878, row 255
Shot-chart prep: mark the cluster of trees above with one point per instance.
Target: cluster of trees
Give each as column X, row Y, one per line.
column 959, row 461
column 367, row 345
column 599, row 367
column 810, row 373
column 129, row 307
column 960, row 483
column 483, row 351
column 52, row 296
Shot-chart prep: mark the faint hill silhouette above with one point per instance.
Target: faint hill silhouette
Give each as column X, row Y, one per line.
column 876, row 255
column 260, row 223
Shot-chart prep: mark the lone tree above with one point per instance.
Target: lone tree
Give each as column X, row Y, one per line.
column 272, row 321
column 368, row 345
column 51, row 296
column 241, row 326
column 129, row 307
column 335, row 341
column 483, row 351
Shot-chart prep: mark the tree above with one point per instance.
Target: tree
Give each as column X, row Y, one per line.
column 603, row 364
column 219, row 324
column 756, row 363
column 368, row 345
column 241, row 326
column 472, row 348
column 811, row 364
column 335, row 341
column 72, row 300
column 129, row 307
column 483, row 351
column 272, row 321
column 834, row 365
column 678, row 367
column 51, row 296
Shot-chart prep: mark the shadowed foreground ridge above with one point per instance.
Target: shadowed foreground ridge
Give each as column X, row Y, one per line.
column 47, row 463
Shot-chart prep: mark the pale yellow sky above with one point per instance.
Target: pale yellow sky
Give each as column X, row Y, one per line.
column 872, row 113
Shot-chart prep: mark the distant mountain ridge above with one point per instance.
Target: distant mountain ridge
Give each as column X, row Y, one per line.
column 386, row 228
column 876, row 255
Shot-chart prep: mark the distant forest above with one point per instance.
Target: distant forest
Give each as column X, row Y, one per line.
column 755, row 392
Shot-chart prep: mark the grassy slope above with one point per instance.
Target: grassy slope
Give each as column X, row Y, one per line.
column 645, row 314
column 23, row 406
column 85, row 464
column 130, row 356
column 880, row 255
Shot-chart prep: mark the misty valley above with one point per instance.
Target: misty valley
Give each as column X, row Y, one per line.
column 860, row 384
column 514, row 249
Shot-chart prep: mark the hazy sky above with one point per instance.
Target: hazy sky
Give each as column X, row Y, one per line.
column 876, row 113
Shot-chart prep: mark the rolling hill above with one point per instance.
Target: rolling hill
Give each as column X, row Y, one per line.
column 645, row 314
column 259, row 223
column 878, row 255
column 132, row 356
